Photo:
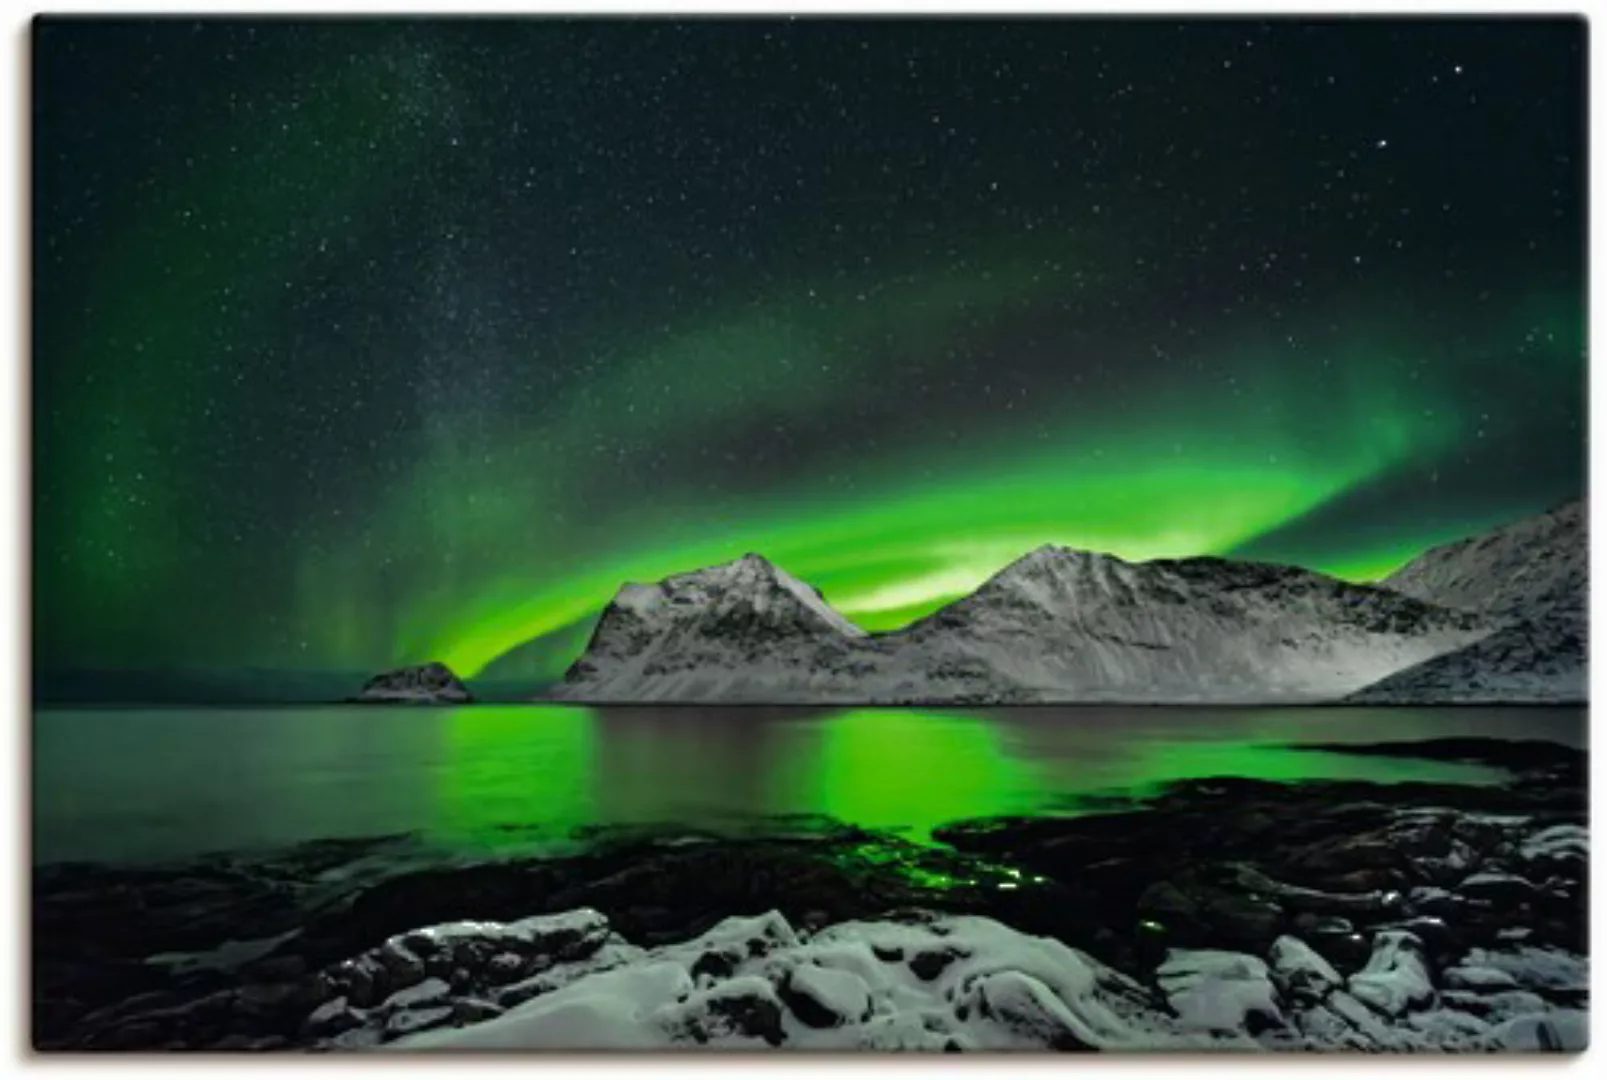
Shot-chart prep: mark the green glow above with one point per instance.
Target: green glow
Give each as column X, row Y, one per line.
column 147, row 337
column 500, row 788
column 506, row 778
column 512, row 776
column 873, row 770
column 904, row 541
column 371, row 353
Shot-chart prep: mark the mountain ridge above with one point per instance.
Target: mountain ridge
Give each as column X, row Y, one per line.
column 1055, row 625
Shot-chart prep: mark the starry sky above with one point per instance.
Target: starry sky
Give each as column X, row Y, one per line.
column 368, row 343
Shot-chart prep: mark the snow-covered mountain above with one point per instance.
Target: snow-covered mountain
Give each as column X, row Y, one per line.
column 1536, row 567
column 421, row 684
column 1530, row 577
column 741, row 631
column 1542, row 662
column 1057, row 625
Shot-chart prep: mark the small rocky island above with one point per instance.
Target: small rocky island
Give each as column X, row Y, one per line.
column 1224, row 913
column 421, row 684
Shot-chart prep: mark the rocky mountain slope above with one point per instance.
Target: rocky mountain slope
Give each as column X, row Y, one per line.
column 1057, row 625
column 1535, row 567
column 422, row 684
column 1530, row 577
column 742, row 631
column 1541, row 662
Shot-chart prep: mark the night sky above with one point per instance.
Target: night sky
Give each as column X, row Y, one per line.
column 367, row 343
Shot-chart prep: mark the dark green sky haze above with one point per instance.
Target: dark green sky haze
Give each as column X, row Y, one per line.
column 361, row 343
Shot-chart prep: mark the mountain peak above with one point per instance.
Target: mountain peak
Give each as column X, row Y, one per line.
column 1057, row 561
column 751, row 582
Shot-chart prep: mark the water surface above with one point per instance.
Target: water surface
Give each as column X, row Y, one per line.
column 143, row 784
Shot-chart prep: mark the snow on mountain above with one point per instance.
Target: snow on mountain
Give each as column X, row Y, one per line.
column 1056, row 625
column 1074, row 625
column 1537, row 566
column 1531, row 577
column 741, row 631
column 421, row 684
column 1542, row 662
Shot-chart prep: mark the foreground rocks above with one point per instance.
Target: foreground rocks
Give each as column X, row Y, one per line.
column 1326, row 914
column 927, row 982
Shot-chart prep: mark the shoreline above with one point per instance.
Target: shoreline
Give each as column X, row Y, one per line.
column 1212, row 864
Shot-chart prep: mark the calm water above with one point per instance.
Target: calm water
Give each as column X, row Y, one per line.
column 137, row 784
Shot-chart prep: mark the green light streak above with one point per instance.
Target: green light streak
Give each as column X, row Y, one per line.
column 902, row 542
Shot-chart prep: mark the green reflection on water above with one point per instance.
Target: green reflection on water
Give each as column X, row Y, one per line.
column 510, row 775
column 888, row 769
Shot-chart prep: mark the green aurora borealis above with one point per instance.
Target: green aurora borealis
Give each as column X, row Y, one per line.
column 433, row 334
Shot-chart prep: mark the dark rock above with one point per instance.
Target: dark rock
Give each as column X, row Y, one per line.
column 715, row 963
column 421, row 684
column 331, row 1019
column 929, row 964
column 1497, row 888
column 750, row 1014
column 276, row 969
column 266, row 999
column 474, row 1010
column 407, row 1021
column 1346, row 951
column 402, row 968
column 507, row 967
column 807, row 1007
column 249, row 1043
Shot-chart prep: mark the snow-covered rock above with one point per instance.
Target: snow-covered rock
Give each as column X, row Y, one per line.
column 999, row 989
column 421, row 684
column 1396, row 977
column 1222, row 992
column 1056, row 625
column 933, row 982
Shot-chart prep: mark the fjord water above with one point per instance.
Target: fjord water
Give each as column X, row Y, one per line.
column 135, row 785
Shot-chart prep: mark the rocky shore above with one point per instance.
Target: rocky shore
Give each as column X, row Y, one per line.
column 1230, row 913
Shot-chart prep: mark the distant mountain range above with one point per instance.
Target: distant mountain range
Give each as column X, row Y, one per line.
column 1494, row 618
column 1498, row 617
